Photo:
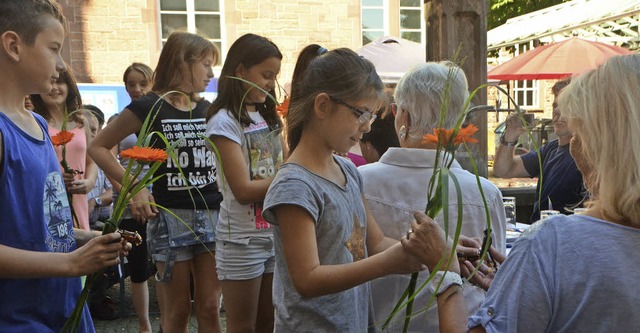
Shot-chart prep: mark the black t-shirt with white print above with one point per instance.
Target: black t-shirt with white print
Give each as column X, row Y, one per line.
column 199, row 189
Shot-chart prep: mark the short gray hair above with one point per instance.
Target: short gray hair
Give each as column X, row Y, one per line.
column 421, row 90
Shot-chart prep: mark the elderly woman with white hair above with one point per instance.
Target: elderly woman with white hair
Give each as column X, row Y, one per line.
column 396, row 187
column 574, row 273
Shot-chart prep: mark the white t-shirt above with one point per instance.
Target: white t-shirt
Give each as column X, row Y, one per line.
column 262, row 150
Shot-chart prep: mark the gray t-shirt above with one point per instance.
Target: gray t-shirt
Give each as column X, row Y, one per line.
column 262, row 150
column 567, row 274
column 340, row 221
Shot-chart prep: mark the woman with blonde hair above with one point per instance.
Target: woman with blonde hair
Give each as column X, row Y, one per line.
column 572, row 273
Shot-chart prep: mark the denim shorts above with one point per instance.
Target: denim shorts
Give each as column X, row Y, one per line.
column 245, row 258
column 170, row 240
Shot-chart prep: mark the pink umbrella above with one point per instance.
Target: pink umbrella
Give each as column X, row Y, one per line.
column 556, row 60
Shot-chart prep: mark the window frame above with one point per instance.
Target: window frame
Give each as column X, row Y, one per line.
column 191, row 13
column 423, row 24
column 522, row 86
column 385, row 19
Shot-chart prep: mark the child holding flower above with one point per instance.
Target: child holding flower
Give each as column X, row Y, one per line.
column 327, row 244
column 39, row 255
column 61, row 107
column 244, row 127
column 181, row 242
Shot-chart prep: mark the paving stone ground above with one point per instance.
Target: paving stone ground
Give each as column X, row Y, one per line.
column 128, row 322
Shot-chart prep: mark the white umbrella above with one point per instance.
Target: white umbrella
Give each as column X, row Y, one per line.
column 393, row 56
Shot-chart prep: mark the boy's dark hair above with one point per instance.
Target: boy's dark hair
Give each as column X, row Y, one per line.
column 72, row 103
column 96, row 112
column 383, row 134
column 180, row 48
column 25, row 17
column 339, row 73
column 248, row 50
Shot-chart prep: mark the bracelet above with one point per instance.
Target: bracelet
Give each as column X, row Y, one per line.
column 507, row 143
column 448, row 279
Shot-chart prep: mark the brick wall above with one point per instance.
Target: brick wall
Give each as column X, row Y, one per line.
column 293, row 24
column 105, row 36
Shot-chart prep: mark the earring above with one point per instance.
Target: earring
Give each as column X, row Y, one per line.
column 403, row 132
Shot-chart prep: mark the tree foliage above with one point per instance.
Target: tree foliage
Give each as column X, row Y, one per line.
column 502, row 10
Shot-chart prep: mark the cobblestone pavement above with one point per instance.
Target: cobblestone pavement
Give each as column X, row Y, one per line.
column 128, row 322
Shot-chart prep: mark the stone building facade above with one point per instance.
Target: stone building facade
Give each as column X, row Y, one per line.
column 108, row 35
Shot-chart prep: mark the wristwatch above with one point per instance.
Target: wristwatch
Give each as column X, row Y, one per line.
column 448, row 279
column 504, row 142
column 98, row 201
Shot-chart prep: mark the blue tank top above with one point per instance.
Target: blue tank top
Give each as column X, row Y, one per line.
column 35, row 216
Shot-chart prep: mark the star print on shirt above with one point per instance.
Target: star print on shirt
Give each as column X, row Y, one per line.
column 355, row 243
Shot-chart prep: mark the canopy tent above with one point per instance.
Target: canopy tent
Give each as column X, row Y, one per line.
column 393, row 56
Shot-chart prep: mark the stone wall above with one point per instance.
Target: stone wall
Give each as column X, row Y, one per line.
column 107, row 35
column 293, row 24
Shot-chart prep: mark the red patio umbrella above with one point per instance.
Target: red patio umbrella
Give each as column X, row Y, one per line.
column 556, row 60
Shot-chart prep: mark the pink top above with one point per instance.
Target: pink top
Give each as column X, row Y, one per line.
column 77, row 159
column 356, row 159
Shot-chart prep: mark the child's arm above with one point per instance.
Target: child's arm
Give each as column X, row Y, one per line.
column 298, row 233
column 125, row 124
column 99, row 252
column 236, row 172
column 376, row 240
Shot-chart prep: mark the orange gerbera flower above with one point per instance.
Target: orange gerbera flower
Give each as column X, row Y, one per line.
column 144, row 154
column 465, row 135
column 441, row 135
column 446, row 138
column 62, row 138
column 283, row 108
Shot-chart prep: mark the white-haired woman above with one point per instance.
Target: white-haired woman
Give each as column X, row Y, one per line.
column 573, row 273
column 397, row 185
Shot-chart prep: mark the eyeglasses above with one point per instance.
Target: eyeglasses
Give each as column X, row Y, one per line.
column 363, row 116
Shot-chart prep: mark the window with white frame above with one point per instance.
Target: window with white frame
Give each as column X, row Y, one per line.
column 404, row 18
column 412, row 24
column 526, row 92
column 375, row 23
column 203, row 17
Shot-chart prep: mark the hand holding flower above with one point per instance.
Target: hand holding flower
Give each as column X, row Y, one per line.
column 427, row 242
column 143, row 205
column 400, row 261
column 98, row 253
column 78, row 186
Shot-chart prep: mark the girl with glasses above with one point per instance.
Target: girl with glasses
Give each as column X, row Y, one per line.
column 327, row 245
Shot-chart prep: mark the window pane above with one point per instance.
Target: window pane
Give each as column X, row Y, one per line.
column 207, row 5
column 410, row 19
column 409, row 3
column 173, row 22
column 370, row 36
column 173, row 5
column 371, row 2
column 209, row 25
column 529, row 97
column 520, row 97
column 372, row 19
column 415, row 36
